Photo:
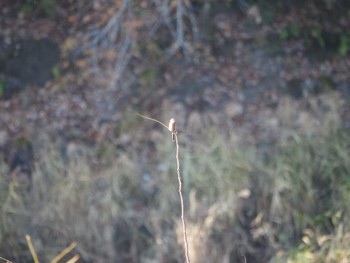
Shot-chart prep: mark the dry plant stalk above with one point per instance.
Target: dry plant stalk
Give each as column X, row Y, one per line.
column 74, row 259
column 56, row 259
column 172, row 128
column 32, row 250
column 64, row 252
column 6, row 260
column 181, row 198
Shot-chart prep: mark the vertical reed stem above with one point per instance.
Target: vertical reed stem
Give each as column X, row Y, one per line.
column 181, row 200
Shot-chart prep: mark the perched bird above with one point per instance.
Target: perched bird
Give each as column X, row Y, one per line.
column 172, row 128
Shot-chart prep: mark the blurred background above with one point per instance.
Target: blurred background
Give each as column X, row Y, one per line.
column 260, row 90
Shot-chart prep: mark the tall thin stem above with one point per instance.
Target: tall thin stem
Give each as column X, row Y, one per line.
column 181, row 200
column 172, row 129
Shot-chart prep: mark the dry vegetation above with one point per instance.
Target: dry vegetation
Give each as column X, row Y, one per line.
column 291, row 203
column 117, row 195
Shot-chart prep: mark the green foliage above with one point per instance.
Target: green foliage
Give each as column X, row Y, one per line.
column 2, row 88
column 152, row 50
column 284, row 34
column 22, row 143
column 291, row 31
column 344, row 44
column 294, row 30
column 317, row 37
column 316, row 34
column 44, row 6
column 26, row 8
column 149, row 76
column 56, row 72
column 300, row 256
column 267, row 16
column 47, row 6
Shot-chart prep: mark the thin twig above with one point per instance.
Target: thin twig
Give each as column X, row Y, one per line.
column 181, row 199
column 148, row 118
column 32, row 250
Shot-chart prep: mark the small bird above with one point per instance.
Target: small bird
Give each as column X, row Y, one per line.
column 172, row 128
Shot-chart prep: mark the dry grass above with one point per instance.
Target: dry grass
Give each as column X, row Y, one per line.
column 310, row 196
column 290, row 205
